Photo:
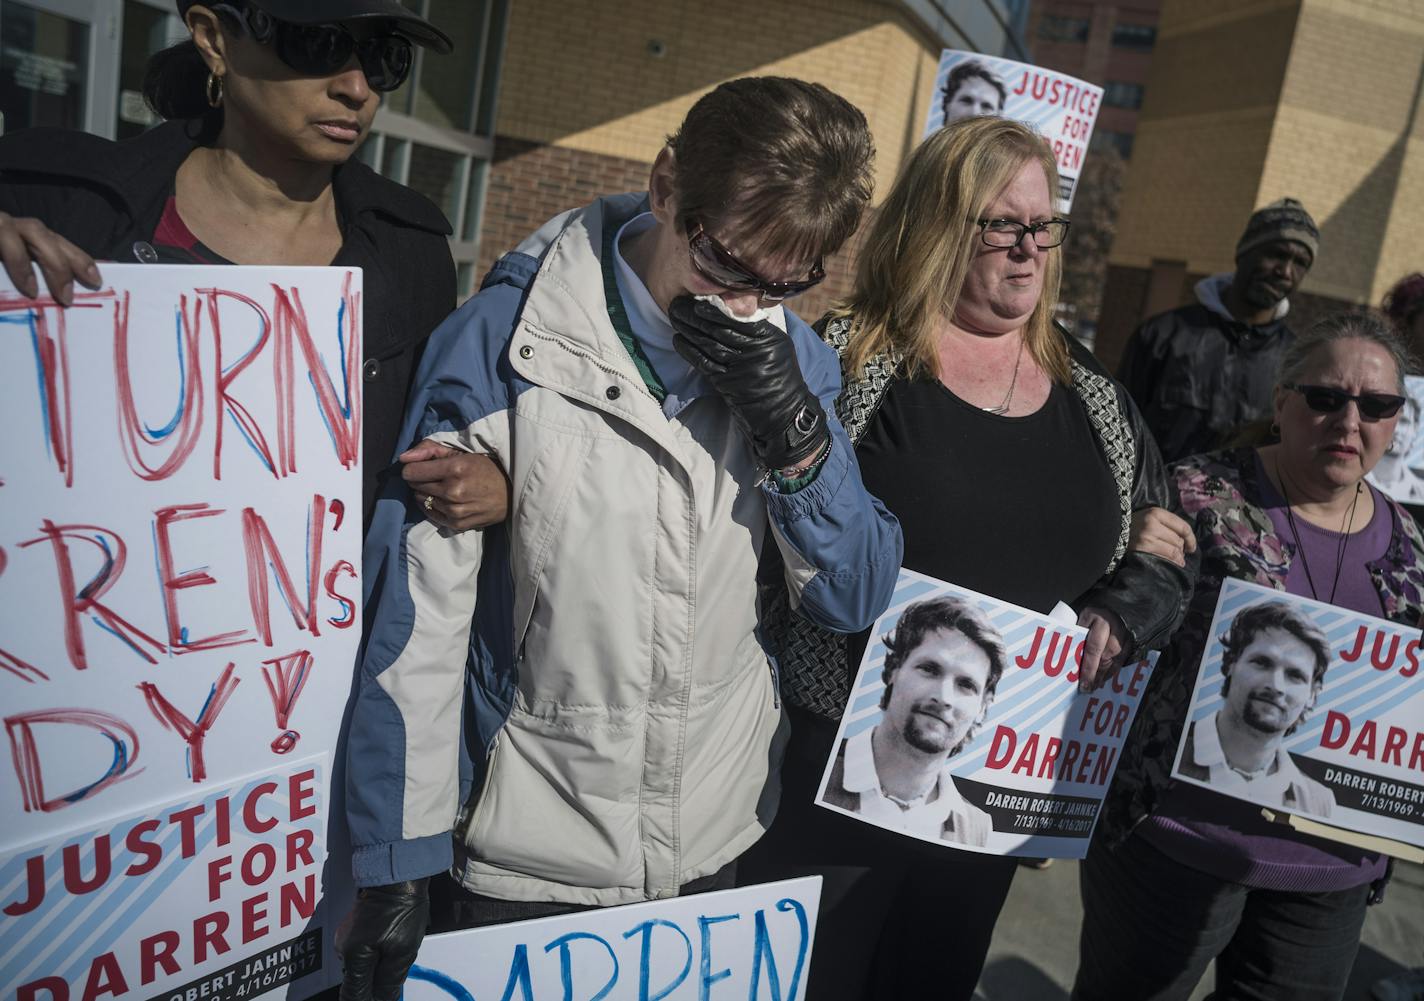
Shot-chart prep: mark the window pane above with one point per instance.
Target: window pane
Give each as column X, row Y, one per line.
column 145, row 32
column 475, row 201
column 435, row 173
column 1134, row 36
column 447, row 83
column 44, row 68
column 1122, row 95
column 369, row 152
column 1055, row 28
column 492, row 60
column 393, row 159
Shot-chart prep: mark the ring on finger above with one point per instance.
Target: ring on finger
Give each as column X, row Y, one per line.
column 429, row 503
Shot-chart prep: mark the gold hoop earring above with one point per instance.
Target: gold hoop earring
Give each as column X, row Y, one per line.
column 214, row 91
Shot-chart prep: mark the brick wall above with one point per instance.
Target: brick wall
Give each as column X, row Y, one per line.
column 531, row 182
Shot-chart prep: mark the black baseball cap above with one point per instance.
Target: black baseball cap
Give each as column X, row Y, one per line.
column 411, row 24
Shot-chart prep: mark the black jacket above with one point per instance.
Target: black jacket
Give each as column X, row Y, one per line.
column 1197, row 376
column 106, row 196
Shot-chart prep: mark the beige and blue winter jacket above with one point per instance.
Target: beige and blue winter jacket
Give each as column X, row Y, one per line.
column 581, row 694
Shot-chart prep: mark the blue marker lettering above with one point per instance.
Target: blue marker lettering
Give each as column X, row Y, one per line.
column 645, row 956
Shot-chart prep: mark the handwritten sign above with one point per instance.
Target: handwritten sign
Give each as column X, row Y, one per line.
column 753, row 943
column 967, row 727
column 180, row 534
column 1061, row 108
column 1310, row 709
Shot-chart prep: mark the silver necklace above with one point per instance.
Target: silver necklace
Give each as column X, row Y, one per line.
column 1003, row 408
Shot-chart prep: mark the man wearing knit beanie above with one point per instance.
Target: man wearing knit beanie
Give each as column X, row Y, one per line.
column 1203, row 370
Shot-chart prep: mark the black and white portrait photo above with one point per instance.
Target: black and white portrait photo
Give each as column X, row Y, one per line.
column 971, row 88
column 1273, row 664
column 942, row 664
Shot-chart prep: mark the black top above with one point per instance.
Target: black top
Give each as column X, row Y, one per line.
column 106, row 196
column 1024, row 509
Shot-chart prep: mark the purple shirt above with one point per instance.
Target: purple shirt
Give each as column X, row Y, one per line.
column 1228, row 838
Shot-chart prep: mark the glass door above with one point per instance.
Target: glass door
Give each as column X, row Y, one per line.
column 58, row 63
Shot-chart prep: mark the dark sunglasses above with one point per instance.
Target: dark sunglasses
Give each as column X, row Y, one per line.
column 1327, row 400
column 325, row 49
column 720, row 267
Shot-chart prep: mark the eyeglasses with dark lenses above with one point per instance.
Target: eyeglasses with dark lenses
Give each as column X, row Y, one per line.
column 325, row 49
column 1007, row 233
column 720, row 267
column 1328, row 400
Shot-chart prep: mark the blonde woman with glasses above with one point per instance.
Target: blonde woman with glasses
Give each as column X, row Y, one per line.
column 1018, row 468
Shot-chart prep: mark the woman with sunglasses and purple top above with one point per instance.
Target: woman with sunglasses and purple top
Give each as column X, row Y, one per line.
column 266, row 105
column 1180, row 875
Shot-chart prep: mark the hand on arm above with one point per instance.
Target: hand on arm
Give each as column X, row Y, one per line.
column 458, row 490
column 24, row 242
column 1158, row 531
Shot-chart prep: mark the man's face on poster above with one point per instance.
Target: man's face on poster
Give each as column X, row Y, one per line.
column 973, row 96
column 1271, row 685
column 1404, row 429
column 937, row 694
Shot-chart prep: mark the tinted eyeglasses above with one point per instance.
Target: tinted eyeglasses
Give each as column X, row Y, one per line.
column 1007, row 233
column 325, row 49
column 720, row 267
column 1328, row 400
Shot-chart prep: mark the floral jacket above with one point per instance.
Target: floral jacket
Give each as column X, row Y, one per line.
column 1221, row 494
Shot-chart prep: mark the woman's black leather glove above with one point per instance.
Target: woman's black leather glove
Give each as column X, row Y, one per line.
column 380, row 937
column 753, row 367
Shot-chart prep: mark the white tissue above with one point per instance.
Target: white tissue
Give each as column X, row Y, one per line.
column 725, row 310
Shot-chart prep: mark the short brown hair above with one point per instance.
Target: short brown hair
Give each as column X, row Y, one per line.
column 790, row 155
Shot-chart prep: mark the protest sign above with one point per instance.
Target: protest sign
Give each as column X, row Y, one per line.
column 180, row 538
column 1400, row 471
column 1303, row 707
column 1059, row 107
column 213, row 892
column 753, row 943
column 1013, row 764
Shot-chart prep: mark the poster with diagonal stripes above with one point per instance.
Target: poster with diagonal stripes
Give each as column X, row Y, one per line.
column 966, row 726
column 180, row 543
column 1309, row 709
column 1059, row 107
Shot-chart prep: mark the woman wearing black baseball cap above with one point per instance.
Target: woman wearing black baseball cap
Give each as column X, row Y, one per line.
column 266, row 104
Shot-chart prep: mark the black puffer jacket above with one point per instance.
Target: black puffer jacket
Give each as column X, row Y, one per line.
column 106, row 196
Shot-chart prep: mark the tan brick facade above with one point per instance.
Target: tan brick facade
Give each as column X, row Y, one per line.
column 1251, row 101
